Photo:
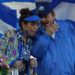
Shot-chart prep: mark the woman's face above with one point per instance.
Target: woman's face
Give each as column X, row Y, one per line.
column 30, row 27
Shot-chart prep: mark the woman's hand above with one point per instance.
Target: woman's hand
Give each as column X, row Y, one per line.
column 20, row 65
column 4, row 64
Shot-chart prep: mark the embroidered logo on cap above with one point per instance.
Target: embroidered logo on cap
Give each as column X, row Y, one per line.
column 41, row 8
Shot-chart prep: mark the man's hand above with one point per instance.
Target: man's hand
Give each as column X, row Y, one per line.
column 50, row 29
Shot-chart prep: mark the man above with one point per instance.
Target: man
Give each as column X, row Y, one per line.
column 55, row 52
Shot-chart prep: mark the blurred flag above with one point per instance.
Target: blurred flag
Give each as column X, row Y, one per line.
column 1, row 1
column 65, row 10
column 8, row 18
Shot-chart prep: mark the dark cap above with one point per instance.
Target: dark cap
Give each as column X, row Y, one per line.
column 43, row 8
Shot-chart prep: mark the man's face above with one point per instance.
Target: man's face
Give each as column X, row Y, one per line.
column 30, row 27
column 49, row 19
column 43, row 22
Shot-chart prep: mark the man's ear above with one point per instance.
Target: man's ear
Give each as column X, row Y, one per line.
column 53, row 13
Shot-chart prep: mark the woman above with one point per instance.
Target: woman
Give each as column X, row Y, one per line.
column 28, row 23
column 18, row 45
